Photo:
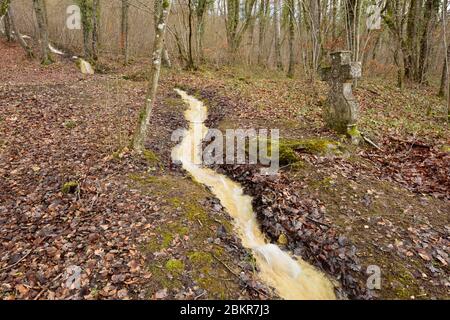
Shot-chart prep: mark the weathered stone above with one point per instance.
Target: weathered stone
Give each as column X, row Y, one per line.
column 341, row 109
column 85, row 67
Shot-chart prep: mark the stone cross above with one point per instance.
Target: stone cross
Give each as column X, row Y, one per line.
column 341, row 112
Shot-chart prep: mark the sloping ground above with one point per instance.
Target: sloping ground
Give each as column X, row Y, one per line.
column 73, row 198
column 348, row 210
column 82, row 218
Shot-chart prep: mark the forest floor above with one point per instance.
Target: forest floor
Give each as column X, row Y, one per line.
column 73, row 197
column 80, row 218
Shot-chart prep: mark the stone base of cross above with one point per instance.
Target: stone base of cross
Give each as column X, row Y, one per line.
column 342, row 108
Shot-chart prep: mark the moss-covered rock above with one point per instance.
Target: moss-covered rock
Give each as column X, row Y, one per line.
column 289, row 149
column 70, row 187
column 283, row 240
column 354, row 134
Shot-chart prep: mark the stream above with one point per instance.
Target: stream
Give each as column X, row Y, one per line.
column 291, row 277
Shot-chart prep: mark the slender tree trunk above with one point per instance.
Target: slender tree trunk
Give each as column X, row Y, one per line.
column 18, row 36
column 411, row 59
column 276, row 22
column 7, row 24
column 201, row 8
column 232, row 22
column 4, row 5
column 41, row 17
column 445, row 68
column 124, row 31
column 444, row 76
column 316, row 34
column 86, row 22
column 262, row 19
column 333, row 19
column 191, row 64
column 235, row 34
column 353, row 10
column 144, row 115
column 291, row 35
column 400, row 74
column 165, row 54
column 95, row 28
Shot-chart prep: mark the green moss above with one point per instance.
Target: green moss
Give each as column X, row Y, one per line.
column 196, row 212
column 404, row 284
column 173, row 102
column 288, row 149
column 200, row 259
column 283, row 240
column 47, row 61
column 70, row 187
column 175, row 266
column 445, row 148
column 70, row 124
column 167, row 239
column 162, row 279
column 166, row 236
column 175, row 202
column 354, row 134
column 151, row 157
column 287, row 154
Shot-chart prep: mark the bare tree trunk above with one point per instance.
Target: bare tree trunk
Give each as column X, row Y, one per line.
column 144, row 115
column 201, row 9
column 314, row 14
column 353, row 14
column 291, row 34
column 276, row 22
column 445, row 68
column 86, row 22
column 124, row 30
column 333, row 19
column 262, row 20
column 411, row 59
column 444, row 76
column 7, row 23
column 41, row 17
column 95, row 28
column 234, row 33
column 190, row 64
column 165, row 54
column 445, row 81
column 395, row 19
column 4, row 5
column 18, row 36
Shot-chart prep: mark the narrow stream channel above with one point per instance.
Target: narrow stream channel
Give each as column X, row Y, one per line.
column 292, row 278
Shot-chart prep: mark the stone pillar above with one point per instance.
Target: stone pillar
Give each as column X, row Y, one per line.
column 341, row 109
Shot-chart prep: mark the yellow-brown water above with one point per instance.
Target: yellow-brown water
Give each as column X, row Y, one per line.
column 291, row 277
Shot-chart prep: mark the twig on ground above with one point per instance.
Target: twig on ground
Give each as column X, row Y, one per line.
column 318, row 222
column 17, row 262
column 47, row 286
column 373, row 144
column 226, row 266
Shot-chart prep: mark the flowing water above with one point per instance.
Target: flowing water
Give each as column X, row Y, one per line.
column 291, row 277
